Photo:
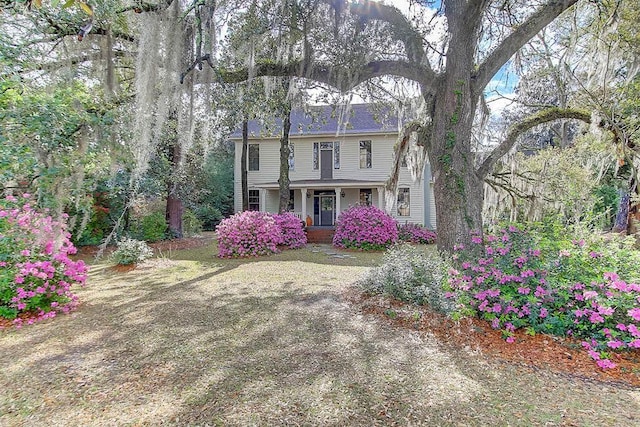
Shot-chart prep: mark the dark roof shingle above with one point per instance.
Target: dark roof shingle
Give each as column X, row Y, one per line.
column 325, row 120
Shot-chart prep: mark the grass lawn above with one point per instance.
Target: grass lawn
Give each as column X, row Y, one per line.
column 187, row 339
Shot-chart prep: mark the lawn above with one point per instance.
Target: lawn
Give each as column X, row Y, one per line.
column 187, row 339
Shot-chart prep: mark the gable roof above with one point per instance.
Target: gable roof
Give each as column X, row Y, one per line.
column 326, row 120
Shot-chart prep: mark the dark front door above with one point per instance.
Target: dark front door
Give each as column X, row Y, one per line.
column 326, row 210
column 326, row 164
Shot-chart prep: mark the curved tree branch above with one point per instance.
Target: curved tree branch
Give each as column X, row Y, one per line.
column 514, row 41
column 520, row 128
column 401, row 28
column 339, row 77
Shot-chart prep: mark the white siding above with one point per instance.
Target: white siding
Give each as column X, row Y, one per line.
column 381, row 158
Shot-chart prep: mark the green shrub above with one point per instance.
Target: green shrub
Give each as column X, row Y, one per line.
column 131, row 251
column 410, row 274
column 191, row 224
column 151, row 228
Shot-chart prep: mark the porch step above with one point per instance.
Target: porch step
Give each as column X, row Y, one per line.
column 320, row 234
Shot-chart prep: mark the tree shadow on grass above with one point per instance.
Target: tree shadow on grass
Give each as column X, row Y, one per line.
column 212, row 349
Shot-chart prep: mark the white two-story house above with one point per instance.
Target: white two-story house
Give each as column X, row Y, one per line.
column 332, row 166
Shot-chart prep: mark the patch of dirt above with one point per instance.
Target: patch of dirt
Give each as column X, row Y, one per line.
column 540, row 352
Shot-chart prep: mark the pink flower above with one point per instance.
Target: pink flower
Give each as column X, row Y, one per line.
column 589, row 295
column 606, row 364
column 594, row 354
column 615, row 344
column 610, row 276
column 634, row 313
column 606, row 311
column 510, row 339
column 543, row 312
column 596, row 318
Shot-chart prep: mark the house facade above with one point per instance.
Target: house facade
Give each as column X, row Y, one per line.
column 334, row 164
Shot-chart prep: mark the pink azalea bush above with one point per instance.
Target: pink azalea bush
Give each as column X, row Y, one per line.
column 516, row 282
column 252, row 233
column 416, row 233
column 37, row 273
column 366, row 228
column 293, row 235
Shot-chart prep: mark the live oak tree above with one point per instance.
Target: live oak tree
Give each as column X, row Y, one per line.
column 366, row 40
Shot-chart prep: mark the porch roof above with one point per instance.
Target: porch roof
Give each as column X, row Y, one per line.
column 323, row 183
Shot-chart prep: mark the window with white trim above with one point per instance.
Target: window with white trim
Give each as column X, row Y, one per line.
column 365, row 154
column 254, row 157
column 292, row 158
column 254, row 200
column 365, row 197
column 404, row 202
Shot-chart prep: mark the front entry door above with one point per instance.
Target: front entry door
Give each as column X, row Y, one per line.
column 326, row 164
column 326, row 210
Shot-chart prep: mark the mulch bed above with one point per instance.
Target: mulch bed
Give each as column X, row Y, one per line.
column 540, row 352
column 163, row 246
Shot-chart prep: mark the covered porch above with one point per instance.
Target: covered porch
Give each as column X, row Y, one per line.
column 319, row 202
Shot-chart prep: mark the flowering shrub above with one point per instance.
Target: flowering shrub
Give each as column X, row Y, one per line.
column 248, row 233
column 366, row 228
column 293, row 235
column 36, row 272
column 130, row 251
column 411, row 274
column 416, row 233
column 510, row 282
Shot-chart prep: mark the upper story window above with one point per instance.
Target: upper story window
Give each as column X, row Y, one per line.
column 404, row 202
column 365, row 154
column 254, row 157
column 316, row 156
column 326, row 146
column 292, row 158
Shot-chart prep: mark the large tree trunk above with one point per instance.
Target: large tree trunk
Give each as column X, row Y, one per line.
column 458, row 189
column 243, row 165
column 283, row 180
column 174, row 209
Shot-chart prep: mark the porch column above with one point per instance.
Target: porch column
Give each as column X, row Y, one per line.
column 381, row 198
column 263, row 200
column 338, row 197
column 304, row 204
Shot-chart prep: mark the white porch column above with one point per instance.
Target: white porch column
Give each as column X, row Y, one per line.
column 381, row 198
column 263, row 200
column 304, row 204
column 338, row 197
